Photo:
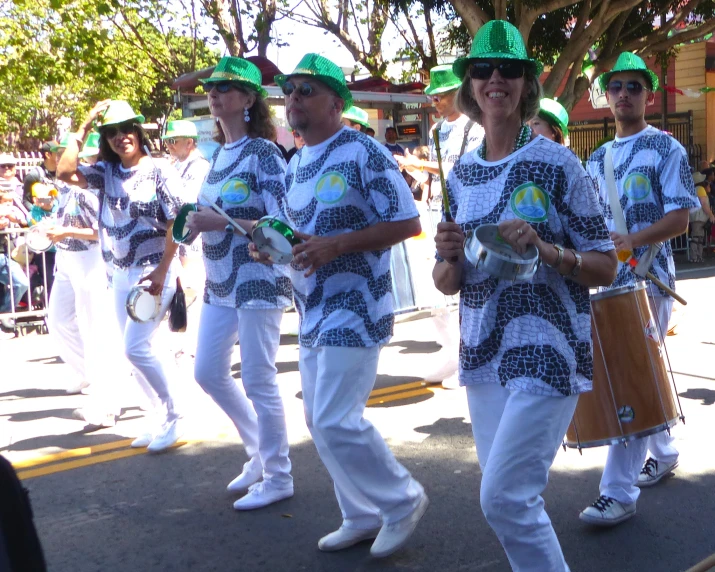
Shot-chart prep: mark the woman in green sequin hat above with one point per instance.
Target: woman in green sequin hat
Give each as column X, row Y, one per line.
column 552, row 121
column 524, row 347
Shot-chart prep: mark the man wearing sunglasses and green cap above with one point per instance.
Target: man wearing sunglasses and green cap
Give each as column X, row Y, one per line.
column 180, row 139
column 643, row 176
column 349, row 204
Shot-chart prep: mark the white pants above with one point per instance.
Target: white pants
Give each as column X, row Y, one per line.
column 624, row 463
column 371, row 486
column 81, row 323
column 256, row 408
column 517, row 435
column 139, row 337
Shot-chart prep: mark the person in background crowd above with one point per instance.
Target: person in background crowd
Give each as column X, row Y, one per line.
column 8, row 177
column 700, row 217
column 370, row 132
column 391, row 142
column 420, row 179
column 349, row 204
column 180, row 139
column 10, row 216
column 139, row 198
column 356, row 118
column 552, row 121
column 89, row 154
column 525, row 346
column 43, row 212
column 298, row 143
column 42, row 173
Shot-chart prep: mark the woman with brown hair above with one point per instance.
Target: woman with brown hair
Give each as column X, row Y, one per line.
column 244, row 299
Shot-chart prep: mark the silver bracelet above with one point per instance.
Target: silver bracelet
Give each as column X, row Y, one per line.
column 560, row 257
column 579, row 262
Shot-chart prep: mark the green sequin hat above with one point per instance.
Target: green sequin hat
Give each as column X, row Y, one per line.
column 629, row 62
column 496, row 40
column 91, row 146
column 556, row 113
column 322, row 69
column 119, row 111
column 180, row 128
column 442, row 80
column 236, row 70
column 356, row 115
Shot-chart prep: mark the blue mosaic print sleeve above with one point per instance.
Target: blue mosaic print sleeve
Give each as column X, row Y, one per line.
column 78, row 208
column 94, row 174
column 389, row 196
column 170, row 189
column 676, row 181
column 246, row 180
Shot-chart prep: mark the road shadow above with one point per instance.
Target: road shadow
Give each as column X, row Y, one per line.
column 32, row 393
column 706, row 396
column 281, row 366
column 51, row 360
column 415, row 347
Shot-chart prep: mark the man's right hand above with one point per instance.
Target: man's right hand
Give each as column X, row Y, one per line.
column 449, row 241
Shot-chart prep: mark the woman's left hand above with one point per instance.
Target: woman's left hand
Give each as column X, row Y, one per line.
column 519, row 234
column 156, row 278
column 205, row 219
column 314, row 252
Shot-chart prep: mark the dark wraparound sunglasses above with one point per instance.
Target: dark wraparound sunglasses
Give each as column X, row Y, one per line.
column 507, row 69
column 113, row 130
column 6, row 166
column 304, row 89
column 224, row 86
column 632, row 87
column 173, row 140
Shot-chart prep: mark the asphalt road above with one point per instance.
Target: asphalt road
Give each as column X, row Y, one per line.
column 98, row 509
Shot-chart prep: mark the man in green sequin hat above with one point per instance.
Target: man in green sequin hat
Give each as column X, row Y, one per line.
column 317, row 68
column 356, row 118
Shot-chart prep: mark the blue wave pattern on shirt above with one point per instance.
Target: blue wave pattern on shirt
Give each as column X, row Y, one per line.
column 77, row 209
column 136, row 207
column 233, row 279
column 345, row 185
column 653, row 178
column 532, row 336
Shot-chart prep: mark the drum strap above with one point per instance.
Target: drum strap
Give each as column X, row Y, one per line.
column 614, row 200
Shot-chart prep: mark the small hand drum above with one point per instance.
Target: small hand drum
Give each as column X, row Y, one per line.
column 179, row 233
column 37, row 239
column 484, row 247
column 275, row 238
column 141, row 305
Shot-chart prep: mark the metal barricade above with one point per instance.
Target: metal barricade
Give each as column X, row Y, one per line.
column 26, row 312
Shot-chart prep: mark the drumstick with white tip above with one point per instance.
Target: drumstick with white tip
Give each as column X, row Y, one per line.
column 220, row 211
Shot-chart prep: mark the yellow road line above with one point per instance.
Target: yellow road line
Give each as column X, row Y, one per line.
column 395, row 388
column 93, row 460
column 398, row 396
column 71, row 454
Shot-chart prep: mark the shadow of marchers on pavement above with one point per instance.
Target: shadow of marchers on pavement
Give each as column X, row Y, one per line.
column 706, row 396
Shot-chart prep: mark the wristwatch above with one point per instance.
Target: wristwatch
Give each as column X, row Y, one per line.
column 229, row 229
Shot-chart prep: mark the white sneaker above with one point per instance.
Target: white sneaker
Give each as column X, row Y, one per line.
column 452, row 382
column 345, row 537
column 96, row 418
column 262, row 494
column 653, row 472
column 77, row 389
column 252, row 473
column 168, row 437
column 394, row 536
column 607, row 511
column 142, row 441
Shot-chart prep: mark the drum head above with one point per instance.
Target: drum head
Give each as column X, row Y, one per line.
column 179, row 233
column 37, row 240
column 276, row 239
column 141, row 305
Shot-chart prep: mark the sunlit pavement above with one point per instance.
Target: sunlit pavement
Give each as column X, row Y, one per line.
column 100, row 506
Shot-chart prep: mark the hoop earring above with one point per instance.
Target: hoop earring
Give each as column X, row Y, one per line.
column 246, row 116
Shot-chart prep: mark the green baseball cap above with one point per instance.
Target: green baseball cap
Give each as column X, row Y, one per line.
column 629, row 62
column 442, row 80
column 325, row 71
column 180, row 128
column 91, row 146
column 496, row 40
column 556, row 113
column 236, row 70
column 119, row 111
column 356, row 115
column 63, row 141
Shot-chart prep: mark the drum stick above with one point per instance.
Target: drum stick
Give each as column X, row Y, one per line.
column 668, row 289
column 445, row 196
column 220, row 211
column 707, row 564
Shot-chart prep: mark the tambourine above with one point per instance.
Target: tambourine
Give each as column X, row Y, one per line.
column 275, row 238
column 141, row 305
column 179, row 233
column 37, row 240
column 485, row 249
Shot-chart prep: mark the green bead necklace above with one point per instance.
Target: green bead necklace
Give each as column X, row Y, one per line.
column 522, row 139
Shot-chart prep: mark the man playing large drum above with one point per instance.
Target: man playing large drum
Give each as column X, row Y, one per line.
column 525, row 351
column 655, row 190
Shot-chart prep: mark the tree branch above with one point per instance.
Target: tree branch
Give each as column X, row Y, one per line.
column 472, row 15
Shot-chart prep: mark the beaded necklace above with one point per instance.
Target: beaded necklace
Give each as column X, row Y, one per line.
column 522, row 139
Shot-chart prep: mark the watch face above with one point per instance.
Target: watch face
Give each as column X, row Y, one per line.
column 229, row 229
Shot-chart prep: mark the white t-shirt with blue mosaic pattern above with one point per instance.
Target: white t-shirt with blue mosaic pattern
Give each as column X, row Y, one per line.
column 247, row 181
column 345, row 184
column 136, row 205
column 653, row 178
column 533, row 336
column 78, row 209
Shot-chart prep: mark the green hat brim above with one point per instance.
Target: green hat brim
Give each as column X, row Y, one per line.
column 551, row 118
column 604, row 78
column 85, row 154
column 364, row 124
column 459, row 67
column 442, row 88
column 340, row 88
column 211, row 80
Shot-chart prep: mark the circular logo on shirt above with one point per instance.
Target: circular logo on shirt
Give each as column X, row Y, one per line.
column 530, row 203
column 637, row 187
column 331, row 187
column 235, row 191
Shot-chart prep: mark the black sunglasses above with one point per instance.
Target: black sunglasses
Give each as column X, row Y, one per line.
column 632, row 87
column 507, row 69
column 112, row 131
column 172, row 140
column 304, row 89
column 7, row 166
column 224, row 86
